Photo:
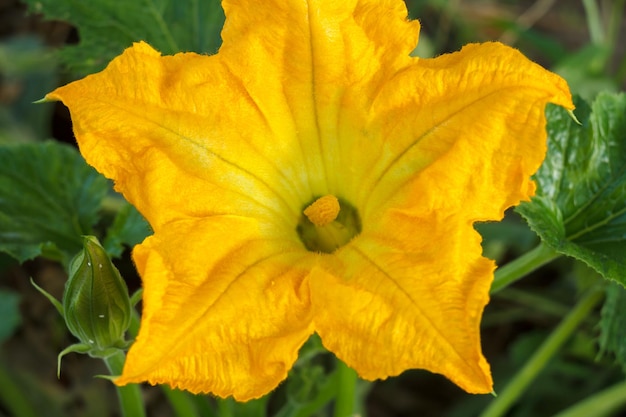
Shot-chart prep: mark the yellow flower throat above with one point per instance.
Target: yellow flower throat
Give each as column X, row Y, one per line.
column 327, row 224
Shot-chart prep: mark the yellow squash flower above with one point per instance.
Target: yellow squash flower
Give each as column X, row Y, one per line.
column 313, row 177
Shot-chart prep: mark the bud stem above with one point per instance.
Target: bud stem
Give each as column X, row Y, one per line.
column 346, row 400
column 131, row 402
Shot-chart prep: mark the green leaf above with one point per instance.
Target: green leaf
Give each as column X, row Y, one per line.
column 49, row 198
column 613, row 324
column 580, row 206
column 107, row 27
column 10, row 313
column 129, row 228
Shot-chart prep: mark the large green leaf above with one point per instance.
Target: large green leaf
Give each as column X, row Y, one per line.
column 580, row 206
column 49, row 198
column 107, row 27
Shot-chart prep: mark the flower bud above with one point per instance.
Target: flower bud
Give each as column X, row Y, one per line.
column 96, row 304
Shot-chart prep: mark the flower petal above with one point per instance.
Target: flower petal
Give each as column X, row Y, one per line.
column 154, row 124
column 462, row 135
column 225, row 310
column 478, row 115
column 409, row 295
column 260, row 121
column 327, row 58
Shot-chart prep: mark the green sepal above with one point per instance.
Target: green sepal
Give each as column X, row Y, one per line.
column 111, row 378
column 42, row 100
column 572, row 115
column 56, row 303
column 103, row 354
column 75, row 348
column 136, row 297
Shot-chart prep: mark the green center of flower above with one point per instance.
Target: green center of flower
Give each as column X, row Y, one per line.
column 327, row 224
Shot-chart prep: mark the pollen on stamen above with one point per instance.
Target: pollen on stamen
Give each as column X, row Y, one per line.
column 323, row 211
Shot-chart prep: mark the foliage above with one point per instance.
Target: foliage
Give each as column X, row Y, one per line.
column 580, row 206
column 107, row 27
column 49, row 198
column 128, row 229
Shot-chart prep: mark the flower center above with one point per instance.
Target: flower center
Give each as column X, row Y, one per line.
column 323, row 210
column 327, row 224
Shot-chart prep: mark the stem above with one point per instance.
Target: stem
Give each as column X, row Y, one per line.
column 113, row 204
column 602, row 404
column 225, row 407
column 135, row 322
column 325, row 394
column 594, row 22
column 542, row 356
column 535, row 302
column 12, row 397
column 522, row 266
column 182, row 403
column 205, row 406
column 345, row 401
column 615, row 20
column 131, row 402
